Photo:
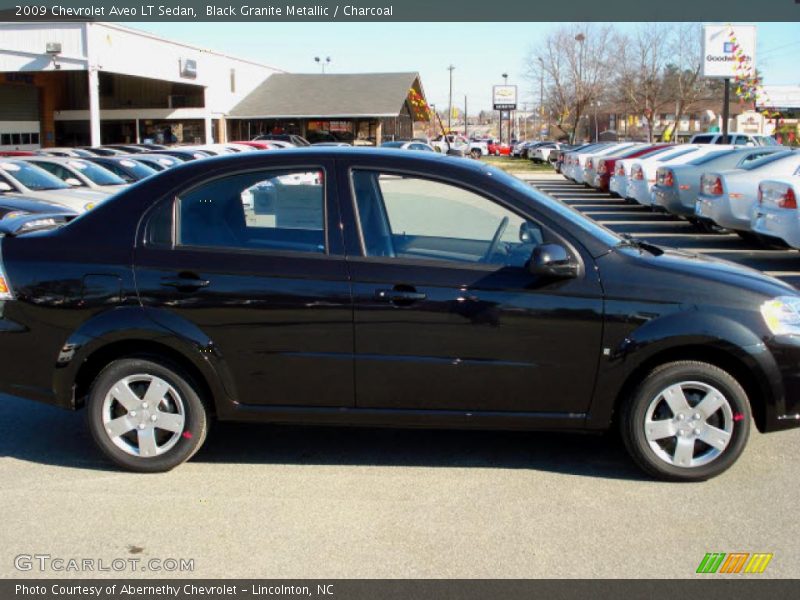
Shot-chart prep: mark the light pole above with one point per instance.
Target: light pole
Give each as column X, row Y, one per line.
column 580, row 38
column 540, row 120
column 505, row 82
column 322, row 63
column 451, row 68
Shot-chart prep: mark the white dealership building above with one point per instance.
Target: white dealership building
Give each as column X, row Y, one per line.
column 90, row 83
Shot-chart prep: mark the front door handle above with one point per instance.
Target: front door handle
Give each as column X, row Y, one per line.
column 185, row 283
column 400, row 296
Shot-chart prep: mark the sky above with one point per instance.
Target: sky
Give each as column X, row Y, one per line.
column 480, row 52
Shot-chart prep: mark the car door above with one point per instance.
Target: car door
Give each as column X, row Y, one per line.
column 447, row 316
column 254, row 260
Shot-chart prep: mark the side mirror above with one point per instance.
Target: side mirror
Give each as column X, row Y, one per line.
column 4, row 187
column 552, row 260
column 72, row 181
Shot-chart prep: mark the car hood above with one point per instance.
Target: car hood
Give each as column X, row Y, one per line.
column 70, row 198
column 673, row 269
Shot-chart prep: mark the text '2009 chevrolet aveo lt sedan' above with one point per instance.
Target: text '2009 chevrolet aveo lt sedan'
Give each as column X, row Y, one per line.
column 383, row 288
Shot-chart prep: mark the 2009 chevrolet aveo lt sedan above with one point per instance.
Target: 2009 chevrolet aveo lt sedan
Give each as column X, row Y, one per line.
column 383, row 288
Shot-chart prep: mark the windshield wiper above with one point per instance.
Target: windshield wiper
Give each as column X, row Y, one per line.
column 631, row 242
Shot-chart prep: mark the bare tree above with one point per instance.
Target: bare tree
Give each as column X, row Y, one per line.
column 573, row 61
column 641, row 60
column 682, row 73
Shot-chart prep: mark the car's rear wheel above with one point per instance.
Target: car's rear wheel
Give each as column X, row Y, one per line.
column 145, row 416
column 687, row 421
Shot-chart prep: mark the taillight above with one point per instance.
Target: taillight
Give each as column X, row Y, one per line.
column 711, row 185
column 760, row 195
column 637, row 173
column 665, row 177
column 589, row 164
column 621, row 171
column 789, row 199
column 601, row 168
column 5, row 286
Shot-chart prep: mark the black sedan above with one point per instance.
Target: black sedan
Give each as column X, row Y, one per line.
column 125, row 167
column 387, row 288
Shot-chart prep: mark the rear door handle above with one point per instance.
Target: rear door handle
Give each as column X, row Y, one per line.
column 185, row 284
column 400, row 296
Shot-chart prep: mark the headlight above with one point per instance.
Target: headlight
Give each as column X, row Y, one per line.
column 782, row 315
column 89, row 206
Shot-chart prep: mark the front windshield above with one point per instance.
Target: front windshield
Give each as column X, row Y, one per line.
column 137, row 169
column 767, row 140
column 95, row 173
column 590, row 226
column 32, row 177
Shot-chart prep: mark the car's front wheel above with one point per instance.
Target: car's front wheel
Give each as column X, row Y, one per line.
column 687, row 421
column 145, row 416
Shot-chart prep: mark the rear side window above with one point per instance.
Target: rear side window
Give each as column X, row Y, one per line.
column 702, row 139
column 274, row 210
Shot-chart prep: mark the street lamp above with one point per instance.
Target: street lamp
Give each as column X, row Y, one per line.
column 580, row 38
column 322, row 63
column 451, row 68
column 505, row 82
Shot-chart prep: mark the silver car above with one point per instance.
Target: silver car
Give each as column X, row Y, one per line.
column 776, row 216
column 677, row 186
column 80, row 173
column 22, row 179
column 727, row 198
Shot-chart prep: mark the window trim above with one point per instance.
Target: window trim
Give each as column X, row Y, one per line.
column 174, row 197
column 436, row 262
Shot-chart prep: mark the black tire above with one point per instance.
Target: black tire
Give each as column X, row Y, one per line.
column 634, row 411
column 195, row 413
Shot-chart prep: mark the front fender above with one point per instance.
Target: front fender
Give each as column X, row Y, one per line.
column 132, row 324
column 667, row 336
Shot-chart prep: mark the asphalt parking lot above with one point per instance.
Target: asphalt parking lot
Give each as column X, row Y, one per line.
column 291, row 502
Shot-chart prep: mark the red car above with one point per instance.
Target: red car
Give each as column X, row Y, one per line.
column 498, row 149
column 257, row 145
column 17, row 153
column 605, row 166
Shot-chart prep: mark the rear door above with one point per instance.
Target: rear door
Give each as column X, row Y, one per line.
column 254, row 260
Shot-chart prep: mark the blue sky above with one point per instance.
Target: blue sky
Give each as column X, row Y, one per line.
column 481, row 52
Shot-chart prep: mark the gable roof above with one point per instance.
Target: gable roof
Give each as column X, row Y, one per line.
column 329, row 95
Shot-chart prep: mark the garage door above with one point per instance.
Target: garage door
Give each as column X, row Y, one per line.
column 19, row 103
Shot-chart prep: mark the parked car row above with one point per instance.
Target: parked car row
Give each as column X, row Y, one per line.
column 750, row 189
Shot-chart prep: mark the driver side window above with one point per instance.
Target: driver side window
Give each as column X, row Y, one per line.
column 410, row 217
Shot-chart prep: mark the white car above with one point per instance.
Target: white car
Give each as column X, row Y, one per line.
column 80, row 173
column 677, row 186
column 734, row 139
column 583, row 171
column 727, row 198
column 573, row 162
column 776, row 216
column 409, row 145
column 642, row 171
column 542, row 153
column 20, row 179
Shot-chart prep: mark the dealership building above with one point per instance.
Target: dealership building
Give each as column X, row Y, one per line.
column 73, row 84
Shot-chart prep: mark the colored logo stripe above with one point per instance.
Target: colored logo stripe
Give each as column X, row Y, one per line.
column 711, row 562
column 758, row 562
column 734, row 562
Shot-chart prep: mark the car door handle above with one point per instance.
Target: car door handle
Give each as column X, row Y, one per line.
column 187, row 284
column 400, row 296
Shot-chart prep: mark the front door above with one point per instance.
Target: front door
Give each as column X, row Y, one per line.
column 251, row 259
column 447, row 316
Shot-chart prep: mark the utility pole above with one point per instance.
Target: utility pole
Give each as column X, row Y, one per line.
column 465, row 117
column 580, row 38
column 451, row 68
column 725, row 110
column 500, row 128
column 540, row 120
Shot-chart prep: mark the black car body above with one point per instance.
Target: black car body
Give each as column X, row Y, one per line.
column 331, row 316
column 125, row 167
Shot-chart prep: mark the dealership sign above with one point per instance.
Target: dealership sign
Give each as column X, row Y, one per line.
column 504, row 97
column 729, row 51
